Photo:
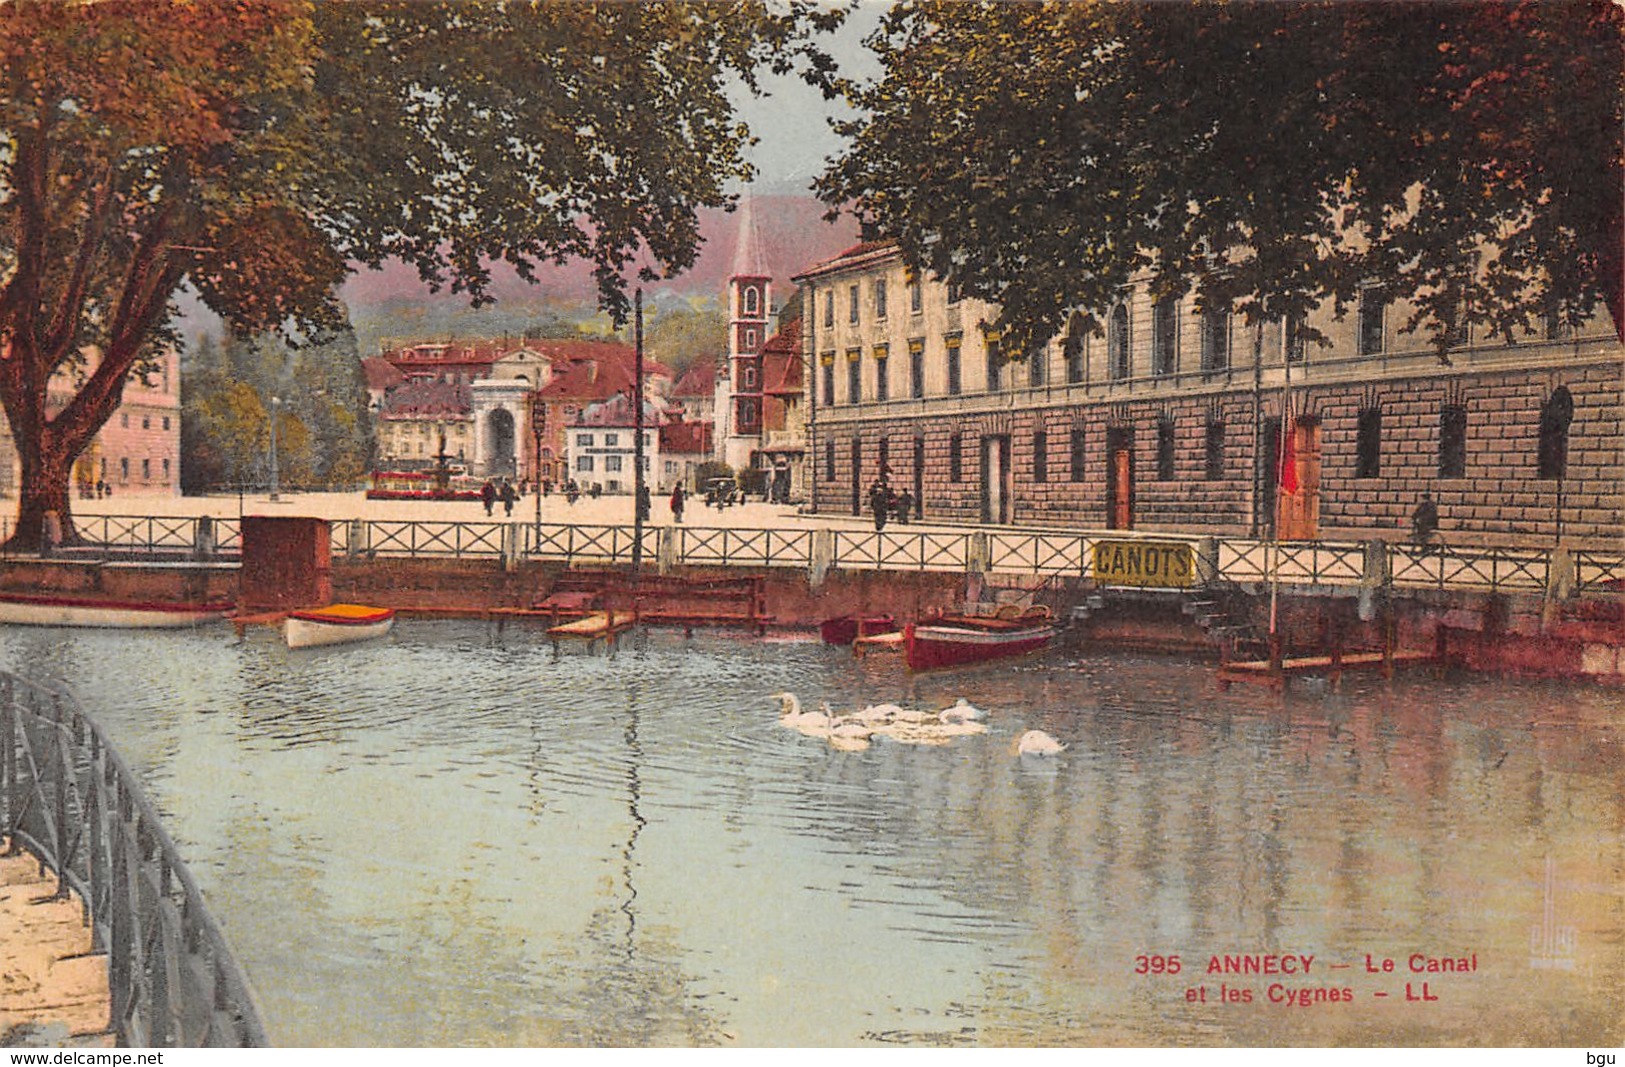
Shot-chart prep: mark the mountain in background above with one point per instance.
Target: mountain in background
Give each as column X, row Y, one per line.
column 392, row 303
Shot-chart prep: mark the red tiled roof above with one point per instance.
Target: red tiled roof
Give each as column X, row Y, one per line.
column 417, row 400
column 381, row 373
column 787, row 341
column 858, row 252
column 686, row 438
column 781, row 374
column 700, row 380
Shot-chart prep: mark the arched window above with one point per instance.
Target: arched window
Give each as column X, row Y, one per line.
column 1117, row 341
column 1555, row 416
column 1074, row 349
column 753, row 299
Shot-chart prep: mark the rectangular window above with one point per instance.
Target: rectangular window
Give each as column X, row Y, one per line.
column 611, row 440
column 1117, row 342
column 1214, row 468
column 1038, row 367
column 1372, row 305
column 916, row 297
column 166, row 422
column 146, row 469
column 1453, row 441
column 854, row 375
column 829, row 459
column 612, row 463
column 146, row 422
column 852, row 304
column 124, row 466
column 956, row 457
column 1216, row 339
column 166, row 468
column 953, row 366
column 583, row 463
column 829, row 379
column 956, row 292
column 1368, row 444
column 1079, row 451
column 1040, row 456
column 880, row 298
column 916, row 368
column 1165, row 450
column 584, row 441
column 1292, row 338
column 882, row 379
column 1164, row 336
column 995, row 366
column 829, row 310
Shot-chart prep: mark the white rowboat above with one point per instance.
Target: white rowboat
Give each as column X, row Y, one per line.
column 336, row 624
column 31, row 609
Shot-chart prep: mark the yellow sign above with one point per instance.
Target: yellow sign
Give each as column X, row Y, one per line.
column 1148, row 564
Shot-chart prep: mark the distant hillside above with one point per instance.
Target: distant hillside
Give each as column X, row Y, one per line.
column 791, row 233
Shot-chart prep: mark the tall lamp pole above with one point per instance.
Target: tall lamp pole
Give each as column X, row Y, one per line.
column 276, row 402
column 538, row 426
column 638, row 487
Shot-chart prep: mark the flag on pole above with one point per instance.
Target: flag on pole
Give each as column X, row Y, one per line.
column 1288, row 471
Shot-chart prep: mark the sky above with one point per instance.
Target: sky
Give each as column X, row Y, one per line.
column 792, row 123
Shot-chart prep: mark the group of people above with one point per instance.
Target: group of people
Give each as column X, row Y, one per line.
column 96, row 491
column 490, row 493
column 887, row 503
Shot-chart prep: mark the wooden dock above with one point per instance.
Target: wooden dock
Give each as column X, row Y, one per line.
column 603, row 624
column 1332, row 666
column 888, row 642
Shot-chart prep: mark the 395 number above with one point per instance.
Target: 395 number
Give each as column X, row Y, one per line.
column 1156, row 964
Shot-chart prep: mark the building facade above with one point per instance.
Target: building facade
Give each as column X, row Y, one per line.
column 137, row 451
column 602, row 446
column 1148, row 415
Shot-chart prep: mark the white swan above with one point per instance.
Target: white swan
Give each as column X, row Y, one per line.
column 962, row 712
column 1038, row 743
column 879, row 713
column 792, row 716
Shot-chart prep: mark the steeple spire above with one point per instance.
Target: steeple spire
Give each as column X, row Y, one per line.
column 748, row 248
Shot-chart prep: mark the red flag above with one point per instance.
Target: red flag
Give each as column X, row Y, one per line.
column 1288, row 472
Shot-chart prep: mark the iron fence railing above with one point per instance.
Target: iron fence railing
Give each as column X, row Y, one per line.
column 454, row 540
column 587, row 544
column 1502, row 570
column 1039, row 553
column 700, row 545
column 67, row 797
column 1597, row 572
column 916, row 550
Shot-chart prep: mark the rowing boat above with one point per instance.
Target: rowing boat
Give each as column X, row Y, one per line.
column 959, row 640
column 336, row 624
column 33, row 609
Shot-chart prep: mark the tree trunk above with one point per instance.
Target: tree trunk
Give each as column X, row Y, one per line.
column 46, row 481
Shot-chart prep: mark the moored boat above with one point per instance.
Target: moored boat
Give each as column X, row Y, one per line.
column 959, row 640
column 336, row 624
column 848, row 628
column 36, row 609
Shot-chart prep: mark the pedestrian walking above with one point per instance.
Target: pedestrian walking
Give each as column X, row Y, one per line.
column 509, row 495
column 677, row 503
column 905, row 503
column 880, row 504
column 488, row 495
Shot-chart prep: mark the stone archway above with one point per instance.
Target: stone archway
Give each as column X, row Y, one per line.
column 501, row 460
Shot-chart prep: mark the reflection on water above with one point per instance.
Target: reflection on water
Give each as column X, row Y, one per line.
column 461, row 836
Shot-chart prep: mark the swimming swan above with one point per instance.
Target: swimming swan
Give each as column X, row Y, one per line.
column 962, row 712
column 1038, row 743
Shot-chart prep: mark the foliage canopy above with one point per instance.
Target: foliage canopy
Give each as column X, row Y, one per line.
column 1464, row 156
column 256, row 148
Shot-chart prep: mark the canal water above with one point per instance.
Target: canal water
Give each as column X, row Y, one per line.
column 462, row 836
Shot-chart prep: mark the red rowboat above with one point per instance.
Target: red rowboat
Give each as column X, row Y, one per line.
column 31, row 609
column 336, row 624
column 848, row 628
column 958, row 640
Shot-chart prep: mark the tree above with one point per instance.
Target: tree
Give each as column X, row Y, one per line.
column 680, row 338
column 1464, row 156
column 257, row 148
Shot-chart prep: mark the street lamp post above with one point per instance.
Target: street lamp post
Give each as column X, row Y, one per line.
column 538, row 427
column 276, row 402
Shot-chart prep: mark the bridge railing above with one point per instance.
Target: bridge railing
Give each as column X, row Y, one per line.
column 725, row 547
column 67, row 797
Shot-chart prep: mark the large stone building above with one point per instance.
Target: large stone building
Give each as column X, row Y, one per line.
column 1150, row 416
column 137, row 452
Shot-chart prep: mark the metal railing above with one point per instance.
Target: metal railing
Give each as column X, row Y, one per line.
column 916, row 550
column 1025, row 552
column 721, row 546
column 67, row 797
